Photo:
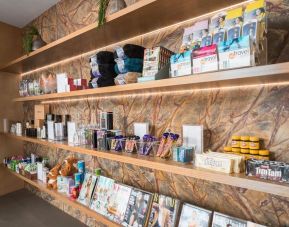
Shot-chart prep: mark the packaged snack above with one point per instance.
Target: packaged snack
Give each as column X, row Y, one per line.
column 205, row 59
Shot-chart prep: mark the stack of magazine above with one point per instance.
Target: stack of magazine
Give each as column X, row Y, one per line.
column 133, row 207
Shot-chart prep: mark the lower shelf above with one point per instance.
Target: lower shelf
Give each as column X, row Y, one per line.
column 187, row 170
column 42, row 187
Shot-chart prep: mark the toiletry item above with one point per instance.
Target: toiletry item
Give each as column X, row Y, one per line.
column 71, row 130
column 106, row 120
column 50, row 130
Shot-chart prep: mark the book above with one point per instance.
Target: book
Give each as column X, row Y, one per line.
column 87, row 188
column 195, row 216
column 164, row 211
column 118, row 202
column 222, row 220
column 205, row 59
column 101, row 195
column 181, row 64
column 138, row 208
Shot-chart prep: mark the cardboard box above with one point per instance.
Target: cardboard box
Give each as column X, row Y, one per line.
column 40, row 111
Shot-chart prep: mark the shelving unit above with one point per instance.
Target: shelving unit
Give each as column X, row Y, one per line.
column 276, row 73
column 139, row 18
column 187, row 170
column 61, row 197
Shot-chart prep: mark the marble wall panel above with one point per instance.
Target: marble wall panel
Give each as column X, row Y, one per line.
column 258, row 110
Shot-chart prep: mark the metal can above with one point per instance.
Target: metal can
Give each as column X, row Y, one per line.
column 81, row 166
column 78, row 178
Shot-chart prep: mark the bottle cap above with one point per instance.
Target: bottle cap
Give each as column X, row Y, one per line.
column 236, row 137
column 254, row 139
column 264, row 152
column 245, row 138
column 228, row 149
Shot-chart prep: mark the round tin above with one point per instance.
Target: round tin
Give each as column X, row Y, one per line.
column 81, row 166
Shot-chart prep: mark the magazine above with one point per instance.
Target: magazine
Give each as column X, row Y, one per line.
column 87, row 189
column 138, row 208
column 222, row 220
column 101, row 195
column 195, row 216
column 164, row 211
column 118, row 202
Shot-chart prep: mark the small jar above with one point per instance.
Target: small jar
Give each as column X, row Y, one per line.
column 235, row 141
column 245, row 151
column 254, row 143
column 245, row 142
column 236, row 150
column 264, row 153
column 228, row 149
column 254, row 152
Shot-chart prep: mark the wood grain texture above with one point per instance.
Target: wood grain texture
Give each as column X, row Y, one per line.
column 142, row 17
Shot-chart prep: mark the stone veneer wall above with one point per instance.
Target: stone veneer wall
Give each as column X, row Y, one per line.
column 259, row 110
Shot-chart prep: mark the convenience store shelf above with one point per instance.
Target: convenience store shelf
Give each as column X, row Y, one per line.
column 187, row 170
column 137, row 19
column 267, row 74
column 61, row 197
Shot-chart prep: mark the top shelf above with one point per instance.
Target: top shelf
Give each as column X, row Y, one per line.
column 140, row 18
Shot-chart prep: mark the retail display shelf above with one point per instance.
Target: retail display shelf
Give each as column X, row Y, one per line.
column 61, row 197
column 268, row 74
column 187, row 170
column 137, row 19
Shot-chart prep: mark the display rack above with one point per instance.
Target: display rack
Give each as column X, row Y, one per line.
column 63, row 198
column 187, row 170
column 139, row 18
column 276, row 73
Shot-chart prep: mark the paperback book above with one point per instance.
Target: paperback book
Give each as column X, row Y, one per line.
column 195, row 216
column 118, row 202
column 87, row 189
column 138, row 208
column 164, row 211
column 101, row 195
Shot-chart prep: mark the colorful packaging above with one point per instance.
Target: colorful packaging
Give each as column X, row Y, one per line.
column 205, row 59
column 195, row 216
column 234, row 23
column 255, row 20
column 217, row 27
column 154, row 60
column 78, row 178
column 196, row 36
column 225, row 220
column 138, row 208
column 87, row 189
column 235, row 53
column 101, row 195
column 64, row 183
column 81, row 166
column 164, row 211
column 118, row 202
column 181, row 64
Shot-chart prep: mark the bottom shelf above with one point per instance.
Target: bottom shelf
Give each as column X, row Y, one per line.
column 41, row 186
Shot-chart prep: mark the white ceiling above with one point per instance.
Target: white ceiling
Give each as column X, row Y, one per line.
column 20, row 12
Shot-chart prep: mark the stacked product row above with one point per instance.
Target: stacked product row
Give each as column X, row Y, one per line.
column 227, row 40
column 125, row 205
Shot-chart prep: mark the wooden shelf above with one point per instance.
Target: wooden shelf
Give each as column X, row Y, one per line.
column 140, row 18
column 188, row 170
column 276, row 73
column 42, row 187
